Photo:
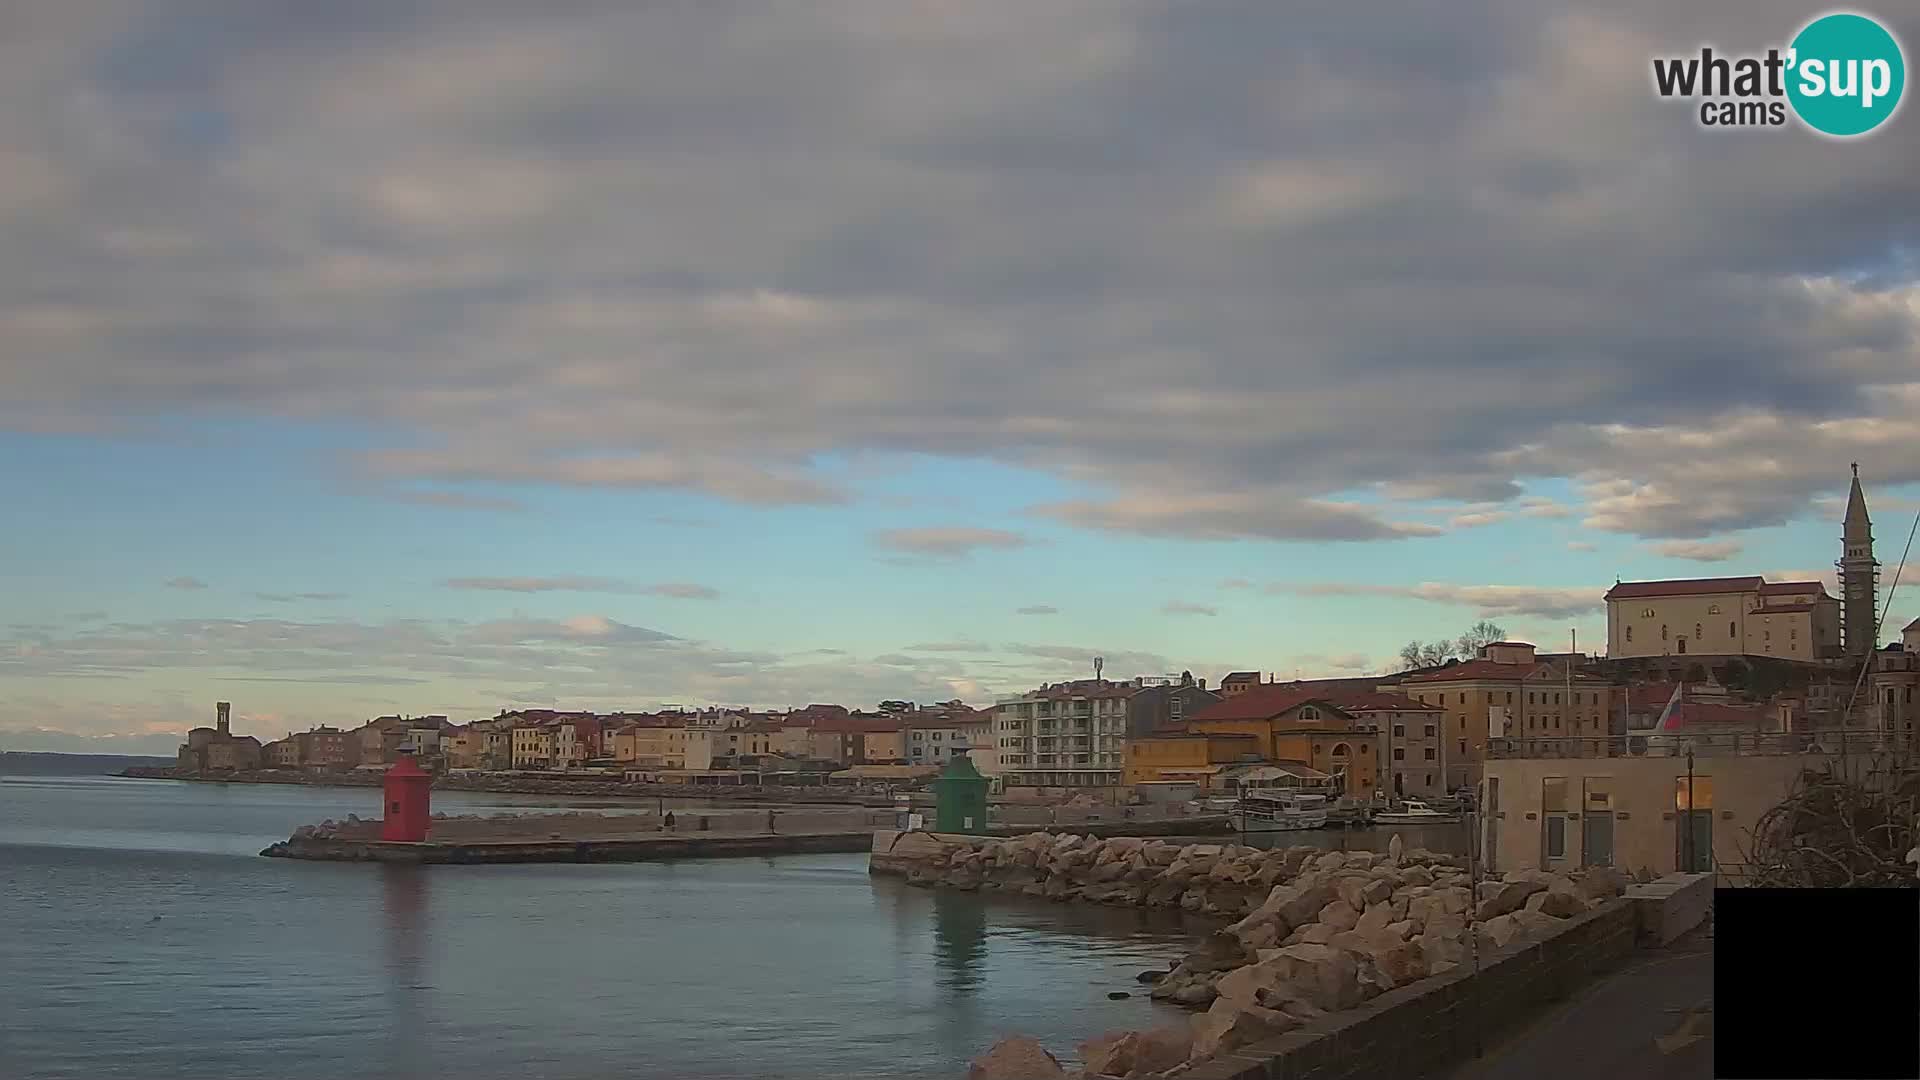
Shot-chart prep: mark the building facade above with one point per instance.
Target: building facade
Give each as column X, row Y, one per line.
column 1154, row 707
column 1301, row 726
column 217, row 748
column 1506, row 692
column 1738, row 616
column 1069, row 735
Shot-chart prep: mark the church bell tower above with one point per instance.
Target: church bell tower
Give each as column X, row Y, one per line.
column 1859, row 577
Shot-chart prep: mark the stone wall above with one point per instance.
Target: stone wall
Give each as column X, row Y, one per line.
column 1318, row 936
column 1422, row 1028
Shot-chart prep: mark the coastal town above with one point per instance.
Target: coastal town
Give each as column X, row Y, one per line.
column 1660, row 754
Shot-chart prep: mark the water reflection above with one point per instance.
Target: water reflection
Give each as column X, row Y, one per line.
column 960, row 940
column 404, row 903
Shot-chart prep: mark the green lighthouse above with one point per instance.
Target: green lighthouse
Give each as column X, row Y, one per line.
column 960, row 799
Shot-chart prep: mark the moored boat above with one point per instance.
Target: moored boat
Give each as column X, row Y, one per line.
column 1278, row 811
column 1414, row 812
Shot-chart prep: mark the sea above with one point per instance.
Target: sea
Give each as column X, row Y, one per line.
column 143, row 936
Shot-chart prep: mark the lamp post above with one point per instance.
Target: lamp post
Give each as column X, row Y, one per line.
column 1692, row 858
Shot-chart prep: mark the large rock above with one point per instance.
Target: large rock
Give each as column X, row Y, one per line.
column 1535, row 925
column 1500, row 931
column 1381, row 915
column 1559, row 903
column 1505, row 897
column 1601, row 883
column 1339, row 915
column 1134, row 1053
column 1230, row 1024
column 1414, row 875
column 1325, row 976
column 1016, row 1057
column 1221, row 951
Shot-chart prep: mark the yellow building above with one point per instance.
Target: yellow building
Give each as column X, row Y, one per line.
column 533, row 747
column 1191, row 757
column 1300, row 724
column 1507, row 693
column 1736, row 616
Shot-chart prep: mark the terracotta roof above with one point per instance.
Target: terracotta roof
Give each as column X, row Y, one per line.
column 1792, row 588
column 1471, row 670
column 1261, row 703
column 1375, row 701
column 1627, row 590
column 857, row 725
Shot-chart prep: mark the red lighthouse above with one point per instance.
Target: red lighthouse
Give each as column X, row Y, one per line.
column 408, row 810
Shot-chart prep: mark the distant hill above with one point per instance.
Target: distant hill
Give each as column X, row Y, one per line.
column 17, row 763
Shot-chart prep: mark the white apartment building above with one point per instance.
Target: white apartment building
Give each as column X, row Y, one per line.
column 1067, row 735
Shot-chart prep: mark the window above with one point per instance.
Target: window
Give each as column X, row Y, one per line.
column 1793, row 634
column 1176, row 706
column 1463, row 697
column 1663, row 631
column 1730, row 629
column 1430, row 757
column 1646, row 613
column 1766, row 635
column 1713, row 609
column 1341, row 750
column 1308, row 712
column 1556, row 699
column 936, row 736
column 1463, row 749
column 1553, row 817
column 1697, row 632
column 1429, row 731
column 1399, row 753
column 1399, row 731
column 1509, row 697
column 1629, row 633
column 1364, row 749
column 916, row 736
column 1529, row 697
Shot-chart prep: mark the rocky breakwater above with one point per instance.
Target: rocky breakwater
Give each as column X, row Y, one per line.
column 1323, row 933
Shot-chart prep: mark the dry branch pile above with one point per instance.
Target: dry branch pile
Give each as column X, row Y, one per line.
column 1834, row 832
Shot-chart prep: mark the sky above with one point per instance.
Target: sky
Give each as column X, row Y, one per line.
column 360, row 358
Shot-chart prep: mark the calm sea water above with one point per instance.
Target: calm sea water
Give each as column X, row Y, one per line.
column 142, row 936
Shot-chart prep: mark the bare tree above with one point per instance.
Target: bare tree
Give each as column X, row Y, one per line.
column 1478, row 635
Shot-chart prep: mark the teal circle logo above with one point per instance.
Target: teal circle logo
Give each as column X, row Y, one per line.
column 1846, row 75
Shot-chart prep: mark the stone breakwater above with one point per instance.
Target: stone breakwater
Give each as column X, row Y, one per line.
column 1315, row 932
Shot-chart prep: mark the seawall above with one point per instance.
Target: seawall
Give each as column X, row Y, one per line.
column 632, row 849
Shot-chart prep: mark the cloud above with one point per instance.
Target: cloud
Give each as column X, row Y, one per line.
column 1699, row 550
column 1037, row 609
column 1488, row 600
column 292, row 598
column 1581, row 545
column 680, row 590
column 1236, row 583
column 1182, row 607
column 186, row 583
column 538, row 584
column 948, row 542
column 457, row 500
column 951, row 646
column 870, row 232
column 1476, row 519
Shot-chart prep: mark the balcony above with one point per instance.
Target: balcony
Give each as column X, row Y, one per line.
column 1832, row 741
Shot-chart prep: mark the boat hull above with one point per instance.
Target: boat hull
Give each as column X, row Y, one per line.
column 1286, row 823
column 1416, row 819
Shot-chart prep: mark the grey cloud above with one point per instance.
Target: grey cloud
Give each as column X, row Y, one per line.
column 951, row 646
column 538, row 584
column 1486, row 599
column 1037, row 609
column 1183, row 607
column 1699, row 550
column 948, row 542
column 1227, row 243
column 681, row 590
column 292, row 598
column 457, row 500
column 189, row 583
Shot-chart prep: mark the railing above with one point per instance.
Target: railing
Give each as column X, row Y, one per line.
column 1835, row 741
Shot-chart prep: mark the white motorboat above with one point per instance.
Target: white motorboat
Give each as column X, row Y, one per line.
column 1278, row 811
column 1413, row 812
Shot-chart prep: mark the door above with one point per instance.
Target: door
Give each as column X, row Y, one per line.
column 1596, row 822
column 1693, row 824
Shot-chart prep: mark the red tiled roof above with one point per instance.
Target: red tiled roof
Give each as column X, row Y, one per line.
column 1373, row 701
column 1627, row 590
column 1240, row 677
column 1262, row 703
column 856, row 725
column 1792, row 588
column 1471, row 670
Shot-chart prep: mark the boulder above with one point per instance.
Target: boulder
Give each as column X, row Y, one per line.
column 1339, row 915
column 1332, row 860
column 1559, row 903
column 1298, row 903
column 1414, row 875
column 1315, row 933
column 1378, row 890
column 1380, row 915
column 1326, row 977
column 1404, row 929
column 1499, row 931
column 1134, row 1053
column 1500, row 898
column 1601, row 883
column 1230, row 1024
column 1535, row 925
column 1016, row 1057
column 1221, row 951
column 1260, row 935
column 1351, row 889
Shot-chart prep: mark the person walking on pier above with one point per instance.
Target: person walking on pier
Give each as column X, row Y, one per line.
column 769, row 821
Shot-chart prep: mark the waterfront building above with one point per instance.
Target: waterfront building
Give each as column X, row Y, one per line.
column 933, row 737
column 1638, row 802
column 1506, row 692
column 217, row 748
column 1300, row 725
column 281, row 753
column 1065, row 738
column 326, row 748
column 857, row 739
column 1895, row 674
column 533, row 747
column 1180, row 757
column 1161, row 702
